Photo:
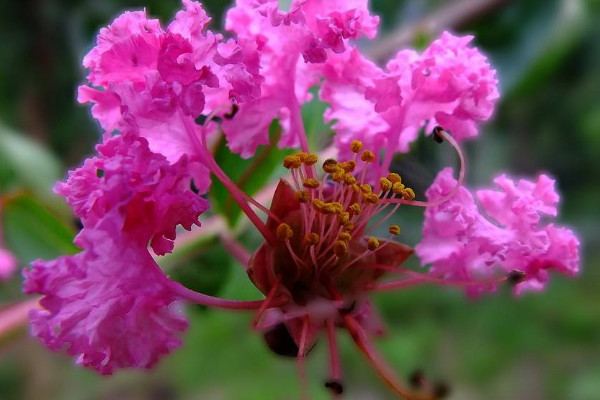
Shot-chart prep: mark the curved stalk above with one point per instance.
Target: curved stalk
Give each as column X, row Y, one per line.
column 459, row 183
column 210, row 301
column 236, row 193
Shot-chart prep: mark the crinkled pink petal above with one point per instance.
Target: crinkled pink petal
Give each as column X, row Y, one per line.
column 450, row 84
column 155, row 107
column 191, row 22
column 106, row 106
column 332, row 22
column 250, row 127
column 461, row 242
column 294, row 47
column 347, row 78
column 156, row 77
column 109, row 306
column 125, row 50
column 458, row 82
column 175, row 63
column 239, row 64
column 151, row 196
column 521, row 203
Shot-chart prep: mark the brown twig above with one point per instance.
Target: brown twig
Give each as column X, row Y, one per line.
column 453, row 15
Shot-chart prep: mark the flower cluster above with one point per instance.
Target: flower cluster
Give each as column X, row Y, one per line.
column 112, row 307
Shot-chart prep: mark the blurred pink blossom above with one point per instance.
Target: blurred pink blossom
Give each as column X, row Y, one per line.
column 464, row 241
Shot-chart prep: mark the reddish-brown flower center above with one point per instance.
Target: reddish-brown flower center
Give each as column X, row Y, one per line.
column 323, row 250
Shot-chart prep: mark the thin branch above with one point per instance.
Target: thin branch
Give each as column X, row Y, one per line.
column 14, row 316
column 454, row 15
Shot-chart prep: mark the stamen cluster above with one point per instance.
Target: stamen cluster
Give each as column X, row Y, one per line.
column 336, row 209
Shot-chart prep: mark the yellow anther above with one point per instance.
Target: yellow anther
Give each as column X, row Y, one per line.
column 312, row 238
column 302, row 196
column 367, row 156
column 348, row 226
column 408, row 194
column 343, row 217
column 290, row 162
column 345, row 236
column 348, row 166
column 339, row 176
column 302, row 156
column 372, row 244
column 330, row 166
column 340, row 248
column 318, row 204
column 394, row 177
column 355, row 188
column 349, row 179
column 284, row 232
column 355, row 209
column 329, row 209
column 366, row 188
column 311, row 183
column 356, row 146
column 394, row 230
column 371, row 198
column 385, row 184
column 311, row 159
column 338, row 206
column 397, row 187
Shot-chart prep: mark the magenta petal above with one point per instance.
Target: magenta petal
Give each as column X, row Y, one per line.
column 461, row 242
column 109, row 306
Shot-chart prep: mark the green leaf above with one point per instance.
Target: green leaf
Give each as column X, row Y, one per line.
column 31, row 231
column 250, row 175
column 26, row 164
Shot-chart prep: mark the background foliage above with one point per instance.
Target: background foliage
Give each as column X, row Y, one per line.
column 536, row 347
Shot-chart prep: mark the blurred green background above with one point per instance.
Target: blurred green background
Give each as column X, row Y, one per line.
column 544, row 346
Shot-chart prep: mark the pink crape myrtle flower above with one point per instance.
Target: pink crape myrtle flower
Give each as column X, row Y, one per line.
column 450, row 84
column 347, row 79
column 161, row 77
column 464, row 241
column 111, row 303
column 294, row 46
column 110, row 306
column 151, row 195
